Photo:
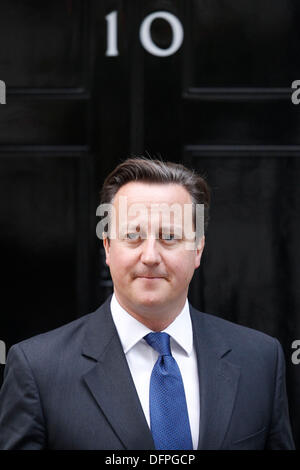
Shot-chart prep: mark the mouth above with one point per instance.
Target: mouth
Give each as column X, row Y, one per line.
column 150, row 277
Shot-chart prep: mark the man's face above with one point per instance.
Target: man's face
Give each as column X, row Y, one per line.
column 151, row 269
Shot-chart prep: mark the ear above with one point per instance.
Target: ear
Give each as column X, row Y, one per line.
column 106, row 248
column 199, row 251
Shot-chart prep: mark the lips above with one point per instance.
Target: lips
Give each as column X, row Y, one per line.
column 150, row 277
column 142, row 276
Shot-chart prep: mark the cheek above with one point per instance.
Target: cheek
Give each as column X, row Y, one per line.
column 183, row 265
column 121, row 261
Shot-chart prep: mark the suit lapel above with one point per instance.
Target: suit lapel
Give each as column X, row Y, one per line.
column 111, row 383
column 218, row 380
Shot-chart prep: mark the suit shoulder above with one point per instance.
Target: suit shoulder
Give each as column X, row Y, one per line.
column 236, row 333
column 54, row 341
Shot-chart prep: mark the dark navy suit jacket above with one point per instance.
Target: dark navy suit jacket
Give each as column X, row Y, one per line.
column 71, row 388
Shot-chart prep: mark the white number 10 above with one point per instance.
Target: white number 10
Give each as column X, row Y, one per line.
column 145, row 34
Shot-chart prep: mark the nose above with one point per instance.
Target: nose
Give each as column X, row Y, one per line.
column 150, row 252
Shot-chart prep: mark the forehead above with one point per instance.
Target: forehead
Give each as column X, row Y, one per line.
column 149, row 193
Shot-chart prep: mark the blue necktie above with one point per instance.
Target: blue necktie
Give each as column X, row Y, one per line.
column 169, row 419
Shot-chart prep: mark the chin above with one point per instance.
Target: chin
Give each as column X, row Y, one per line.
column 150, row 300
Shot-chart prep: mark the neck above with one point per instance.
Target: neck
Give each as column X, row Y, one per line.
column 155, row 319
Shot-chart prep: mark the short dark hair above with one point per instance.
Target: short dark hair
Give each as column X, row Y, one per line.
column 158, row 172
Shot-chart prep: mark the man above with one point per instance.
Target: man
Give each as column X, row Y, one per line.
column 147, row 370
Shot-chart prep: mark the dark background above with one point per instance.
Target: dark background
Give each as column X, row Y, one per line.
column 221, row 104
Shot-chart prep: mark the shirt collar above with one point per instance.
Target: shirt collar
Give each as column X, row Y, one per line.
column 131, row 331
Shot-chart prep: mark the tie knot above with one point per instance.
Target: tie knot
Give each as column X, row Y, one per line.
column 160, row 342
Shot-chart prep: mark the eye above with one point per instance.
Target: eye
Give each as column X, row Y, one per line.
column 133, row 236
column 169, row 237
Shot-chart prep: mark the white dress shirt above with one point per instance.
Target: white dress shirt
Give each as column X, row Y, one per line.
column 141, row 358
